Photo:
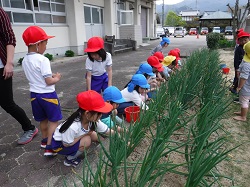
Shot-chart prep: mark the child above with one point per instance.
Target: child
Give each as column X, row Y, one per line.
column 77, row 132
column 44, row 100
column 131, row 94
column 98, row 65
column 154, row 62
column 159, row 55
column 176, row 52
column 243, row 38
column 244, row 85
column 163, row 44
column 113, row 96
column 169, row 64
column 147, row 71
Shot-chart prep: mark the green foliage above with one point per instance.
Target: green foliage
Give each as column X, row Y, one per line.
column 226, row 43
column 49, row 56
column 213, row 40
column 174, row 20
column 216, row 40
column 69, row 53
column 20, row 61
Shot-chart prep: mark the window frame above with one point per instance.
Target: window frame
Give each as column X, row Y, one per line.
column 36, row 10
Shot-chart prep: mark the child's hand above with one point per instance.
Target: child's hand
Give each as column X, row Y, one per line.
column 57, row 75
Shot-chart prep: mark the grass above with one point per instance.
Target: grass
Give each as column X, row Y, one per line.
column 184, row 121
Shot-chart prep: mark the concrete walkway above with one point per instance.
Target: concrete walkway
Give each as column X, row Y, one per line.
column 25, row 165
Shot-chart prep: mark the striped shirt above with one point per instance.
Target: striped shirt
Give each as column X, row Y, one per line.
column 7, row 36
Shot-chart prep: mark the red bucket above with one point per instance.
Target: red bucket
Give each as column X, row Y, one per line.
column 225, row 70
column 132, row 113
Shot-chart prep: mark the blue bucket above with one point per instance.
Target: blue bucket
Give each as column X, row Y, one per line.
column 223, row 66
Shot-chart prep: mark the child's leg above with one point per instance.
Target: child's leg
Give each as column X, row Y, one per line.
column 243, row 116
column 244, row 100
column 44, row 128
column 73, row 160
column 51, row 129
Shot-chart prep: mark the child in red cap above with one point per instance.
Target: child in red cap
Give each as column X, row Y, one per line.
column 176, row 52
column 44, row 101
column 77, row 132
column 98, row 65
column 243, row 38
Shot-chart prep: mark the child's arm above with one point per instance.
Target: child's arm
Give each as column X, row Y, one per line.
column 54, row 79
column 88, row 80
column 241, row 84
column 109, row 71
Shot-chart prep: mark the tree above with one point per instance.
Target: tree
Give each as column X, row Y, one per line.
column 237, row 14
column 172, row 19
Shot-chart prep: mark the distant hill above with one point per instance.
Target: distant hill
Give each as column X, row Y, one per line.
column 209, row 5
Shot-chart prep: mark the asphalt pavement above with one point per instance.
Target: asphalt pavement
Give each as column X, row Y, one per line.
column 25, row 165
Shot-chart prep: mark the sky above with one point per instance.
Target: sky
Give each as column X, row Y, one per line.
column 168, row 2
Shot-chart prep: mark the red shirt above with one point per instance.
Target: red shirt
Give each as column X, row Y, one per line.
column 7, row 36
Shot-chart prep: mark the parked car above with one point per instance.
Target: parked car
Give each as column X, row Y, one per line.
column 192, row 31
column 216, row 29
column 204, row 30
column 160, row 32
column 229, row 30
column 179, row 31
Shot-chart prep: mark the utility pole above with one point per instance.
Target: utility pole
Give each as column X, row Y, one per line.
column 162, row 13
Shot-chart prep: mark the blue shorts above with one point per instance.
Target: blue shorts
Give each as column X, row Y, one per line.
column 99, row 83
column 45, row 106
column 59, row 148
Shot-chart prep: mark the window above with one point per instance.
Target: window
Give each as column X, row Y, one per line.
column 93, row 15
column 87, row 14
column 125, row 17
column 35, row 11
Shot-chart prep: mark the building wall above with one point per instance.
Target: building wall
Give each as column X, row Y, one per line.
column 72, row 35
column 59, row 44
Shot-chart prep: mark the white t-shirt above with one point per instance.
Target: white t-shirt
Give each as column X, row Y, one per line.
column 76, row 130
column 98, row 68
column 1, row 64
column 133, row 96
column 36, row 68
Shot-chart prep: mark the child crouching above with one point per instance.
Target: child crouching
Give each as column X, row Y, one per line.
column 77, row 132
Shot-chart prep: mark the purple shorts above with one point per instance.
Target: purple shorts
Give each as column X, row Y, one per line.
column 59, row 148
column 45, row 106
column 99, row 83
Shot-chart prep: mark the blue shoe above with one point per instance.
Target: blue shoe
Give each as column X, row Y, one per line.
column 49, row 151
column 74, row 162
column 233, row 91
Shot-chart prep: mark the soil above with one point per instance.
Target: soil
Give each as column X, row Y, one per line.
column 237, row 166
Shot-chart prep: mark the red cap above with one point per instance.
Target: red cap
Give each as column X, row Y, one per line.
column 175, row 52
column 159, row 55
column 154, row 62
column 92, row 101
column 177, row 49
column 240, row 30
column 94, row 44
column 34, row 34
column 243, row 34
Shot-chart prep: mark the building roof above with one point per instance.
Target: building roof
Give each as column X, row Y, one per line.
column 189, row 13
column 217, row 15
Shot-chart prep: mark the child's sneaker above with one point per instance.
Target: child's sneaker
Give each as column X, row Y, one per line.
column 74, row 162
column 44, row 143
column 49, row 151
